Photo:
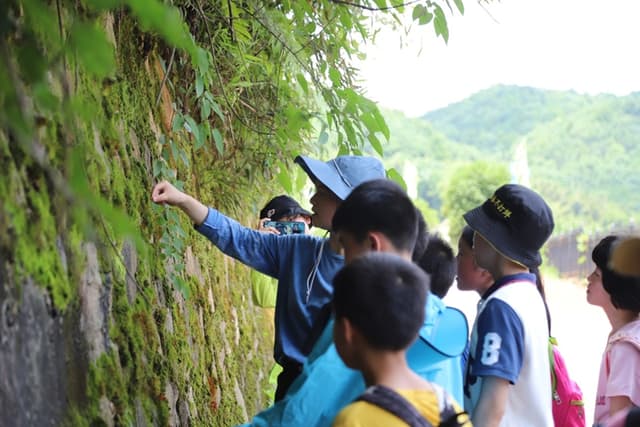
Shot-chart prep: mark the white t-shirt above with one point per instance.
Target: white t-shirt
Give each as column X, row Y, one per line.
column 619, row 370
column 509, row 340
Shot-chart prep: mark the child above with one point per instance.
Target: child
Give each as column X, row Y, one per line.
column 303, row 264
column 264, row 289
column 283, row 208
column 470, row 277
column 438, row 261
column 508, row 376
column 379, row 304
column 378, row 216
column 619, row 297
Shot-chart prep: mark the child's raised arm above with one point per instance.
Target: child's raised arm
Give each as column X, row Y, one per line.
column 164, row 192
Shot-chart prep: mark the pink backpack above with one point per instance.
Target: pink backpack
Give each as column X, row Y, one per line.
column 567, row 404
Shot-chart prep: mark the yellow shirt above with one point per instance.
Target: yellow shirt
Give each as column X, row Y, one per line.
column 364, row 414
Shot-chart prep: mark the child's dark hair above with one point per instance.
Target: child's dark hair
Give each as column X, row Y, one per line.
column 623, row 290
column 379, row 205
column 384, row 296
column 439, row 262
column 422, row 240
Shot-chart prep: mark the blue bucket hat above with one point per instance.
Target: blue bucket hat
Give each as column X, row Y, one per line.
column 342, row 174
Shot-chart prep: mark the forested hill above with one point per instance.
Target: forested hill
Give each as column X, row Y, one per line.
column 583, row 151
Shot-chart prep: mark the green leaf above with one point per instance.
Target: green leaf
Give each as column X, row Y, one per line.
column 334, row 75
column 205, row 110
column 45, row 98
column 285, row 179
column 181, row 285
column 166, row 21
column 178, row 122
column 375, row 143
column 440, row 24
column 418, row 11
column 192, row 127
column 217, row 137
column 459, row 5
column 302, row 82
column 32, row 60
column 157, row 168
column 422, row 14
column 393, row 175
column 214, row 105
column 382, row 124
column 92, row 49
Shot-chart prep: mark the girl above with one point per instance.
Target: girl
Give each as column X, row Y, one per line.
column 619, row 297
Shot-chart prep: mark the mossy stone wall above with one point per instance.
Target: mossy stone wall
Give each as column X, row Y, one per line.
column 92, row 332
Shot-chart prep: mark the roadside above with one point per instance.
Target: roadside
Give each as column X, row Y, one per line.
column 581, row 330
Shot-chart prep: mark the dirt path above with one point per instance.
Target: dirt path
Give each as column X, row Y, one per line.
column 580, row 328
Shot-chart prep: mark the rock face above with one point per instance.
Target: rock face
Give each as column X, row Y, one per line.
column 37, row 378
column 94, row 329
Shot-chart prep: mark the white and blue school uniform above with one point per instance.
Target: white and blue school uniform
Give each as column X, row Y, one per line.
column 509, row 340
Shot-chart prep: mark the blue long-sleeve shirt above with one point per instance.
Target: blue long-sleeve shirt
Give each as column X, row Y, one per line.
column 291, row 259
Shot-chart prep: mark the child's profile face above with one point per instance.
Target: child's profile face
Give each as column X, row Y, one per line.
column 596, row 294
column 323, row 204
column 467, row 268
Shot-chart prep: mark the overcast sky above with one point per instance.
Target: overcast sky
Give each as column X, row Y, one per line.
column 586, row 45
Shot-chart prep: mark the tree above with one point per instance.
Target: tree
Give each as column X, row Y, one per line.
column 469, row 186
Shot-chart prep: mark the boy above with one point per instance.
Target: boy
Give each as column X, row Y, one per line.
column 378, row 303
column 440, row 263
column 303, row 264
column 377, row 216
column 508, row 371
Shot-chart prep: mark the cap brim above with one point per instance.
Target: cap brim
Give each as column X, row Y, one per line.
column 625, row 258
column 445, row 329
column 498, row 235
column 325, row 174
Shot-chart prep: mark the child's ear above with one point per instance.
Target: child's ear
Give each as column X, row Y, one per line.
column 348, row 329
column 375, row 242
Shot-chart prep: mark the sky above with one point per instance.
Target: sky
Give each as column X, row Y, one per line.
column 584, row 45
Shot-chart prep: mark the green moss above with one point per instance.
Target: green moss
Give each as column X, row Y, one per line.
column 36, row 253
column 144, row 356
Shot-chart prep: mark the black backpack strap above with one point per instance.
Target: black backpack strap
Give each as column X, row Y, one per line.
column 391, row 401
column 449, row 416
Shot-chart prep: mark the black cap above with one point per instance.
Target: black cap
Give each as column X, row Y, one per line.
column 282, row 206
column 516, row 221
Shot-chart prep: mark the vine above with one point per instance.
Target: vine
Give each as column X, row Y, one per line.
column 275, row 72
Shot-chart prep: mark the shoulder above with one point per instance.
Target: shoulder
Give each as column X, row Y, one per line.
column 361, row 414
column 497, row 310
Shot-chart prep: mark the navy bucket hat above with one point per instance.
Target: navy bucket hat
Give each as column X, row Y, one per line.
column 516, row 221
column 342, row 174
